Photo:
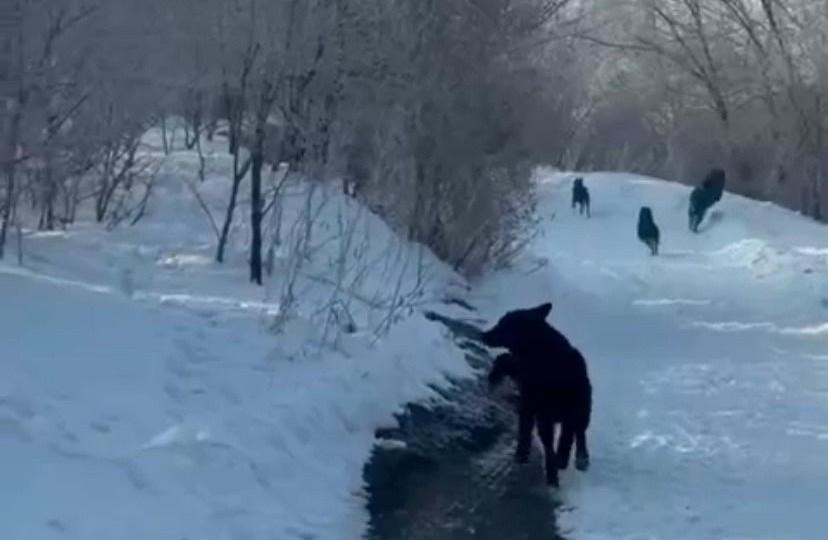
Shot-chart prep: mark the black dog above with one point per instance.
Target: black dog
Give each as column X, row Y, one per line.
column 703, row 197
column 580, row 196
column 553, row 384
column 647, row 229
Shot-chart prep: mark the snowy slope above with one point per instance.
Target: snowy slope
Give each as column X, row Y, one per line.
column 146, row 392
column 710, row 361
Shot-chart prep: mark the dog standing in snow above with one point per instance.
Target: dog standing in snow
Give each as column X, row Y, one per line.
column 580, row 196
column 553, row 384
column 647, row 229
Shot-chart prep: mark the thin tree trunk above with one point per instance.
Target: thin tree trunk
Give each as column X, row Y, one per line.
column 234, row 113
column 257, row 157
column 228, row 220
column 101, row 200
column 10, row 169
column 50, row 188
column 235, row 117
column 19, row 242
column 193, row 121
column 164, row 140
column 238, row 175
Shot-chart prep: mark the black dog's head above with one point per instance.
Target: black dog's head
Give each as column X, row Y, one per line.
column 511, row 331
column 715, row 179
column 713, row 186
column 578, row 183
column 645, row 216
column 505, row 365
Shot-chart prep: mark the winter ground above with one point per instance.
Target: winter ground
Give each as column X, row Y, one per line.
column 148, row 392
column 709, row 362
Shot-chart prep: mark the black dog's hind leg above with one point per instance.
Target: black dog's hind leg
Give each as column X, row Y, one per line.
column 546, row 430
column 697, row 219
column 581, row 452
column 565, row 445
column 526, row 422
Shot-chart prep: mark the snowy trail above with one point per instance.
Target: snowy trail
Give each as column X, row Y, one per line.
column 710, row 373
column 709, row 367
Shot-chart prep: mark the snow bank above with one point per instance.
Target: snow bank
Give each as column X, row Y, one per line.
column 148, row 392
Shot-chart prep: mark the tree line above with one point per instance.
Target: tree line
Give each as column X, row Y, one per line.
column 434, row 113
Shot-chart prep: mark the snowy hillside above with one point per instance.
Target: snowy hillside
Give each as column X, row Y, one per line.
column 147, row 392
column 710, row 361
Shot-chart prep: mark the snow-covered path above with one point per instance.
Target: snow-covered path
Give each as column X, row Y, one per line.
column 710, row 362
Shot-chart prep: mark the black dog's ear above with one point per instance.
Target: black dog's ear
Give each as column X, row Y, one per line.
column 542, row 311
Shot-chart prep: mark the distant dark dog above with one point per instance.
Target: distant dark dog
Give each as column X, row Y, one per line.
column 703, row 197
column 647, row 229
column 580, row 196
column 553, row 383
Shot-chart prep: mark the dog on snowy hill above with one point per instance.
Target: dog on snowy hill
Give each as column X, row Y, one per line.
column 703, row 197
column 647, row 229
column 580, row 196
column 553, row 384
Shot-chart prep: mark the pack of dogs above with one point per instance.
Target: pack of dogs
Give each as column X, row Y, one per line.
column 702, row 198
column 551, row 374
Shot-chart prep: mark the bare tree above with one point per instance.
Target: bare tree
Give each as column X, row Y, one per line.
column 682, row 70
column 235, row 90
column 44, row 94
column 460, row 108
column 433, row 112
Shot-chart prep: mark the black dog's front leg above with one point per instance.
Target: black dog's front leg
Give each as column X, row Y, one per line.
column 526, row 422
column 546, row 429
column 581, row 452
column 565, row 445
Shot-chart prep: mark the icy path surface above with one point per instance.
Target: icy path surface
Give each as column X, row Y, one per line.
column 710, row 361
